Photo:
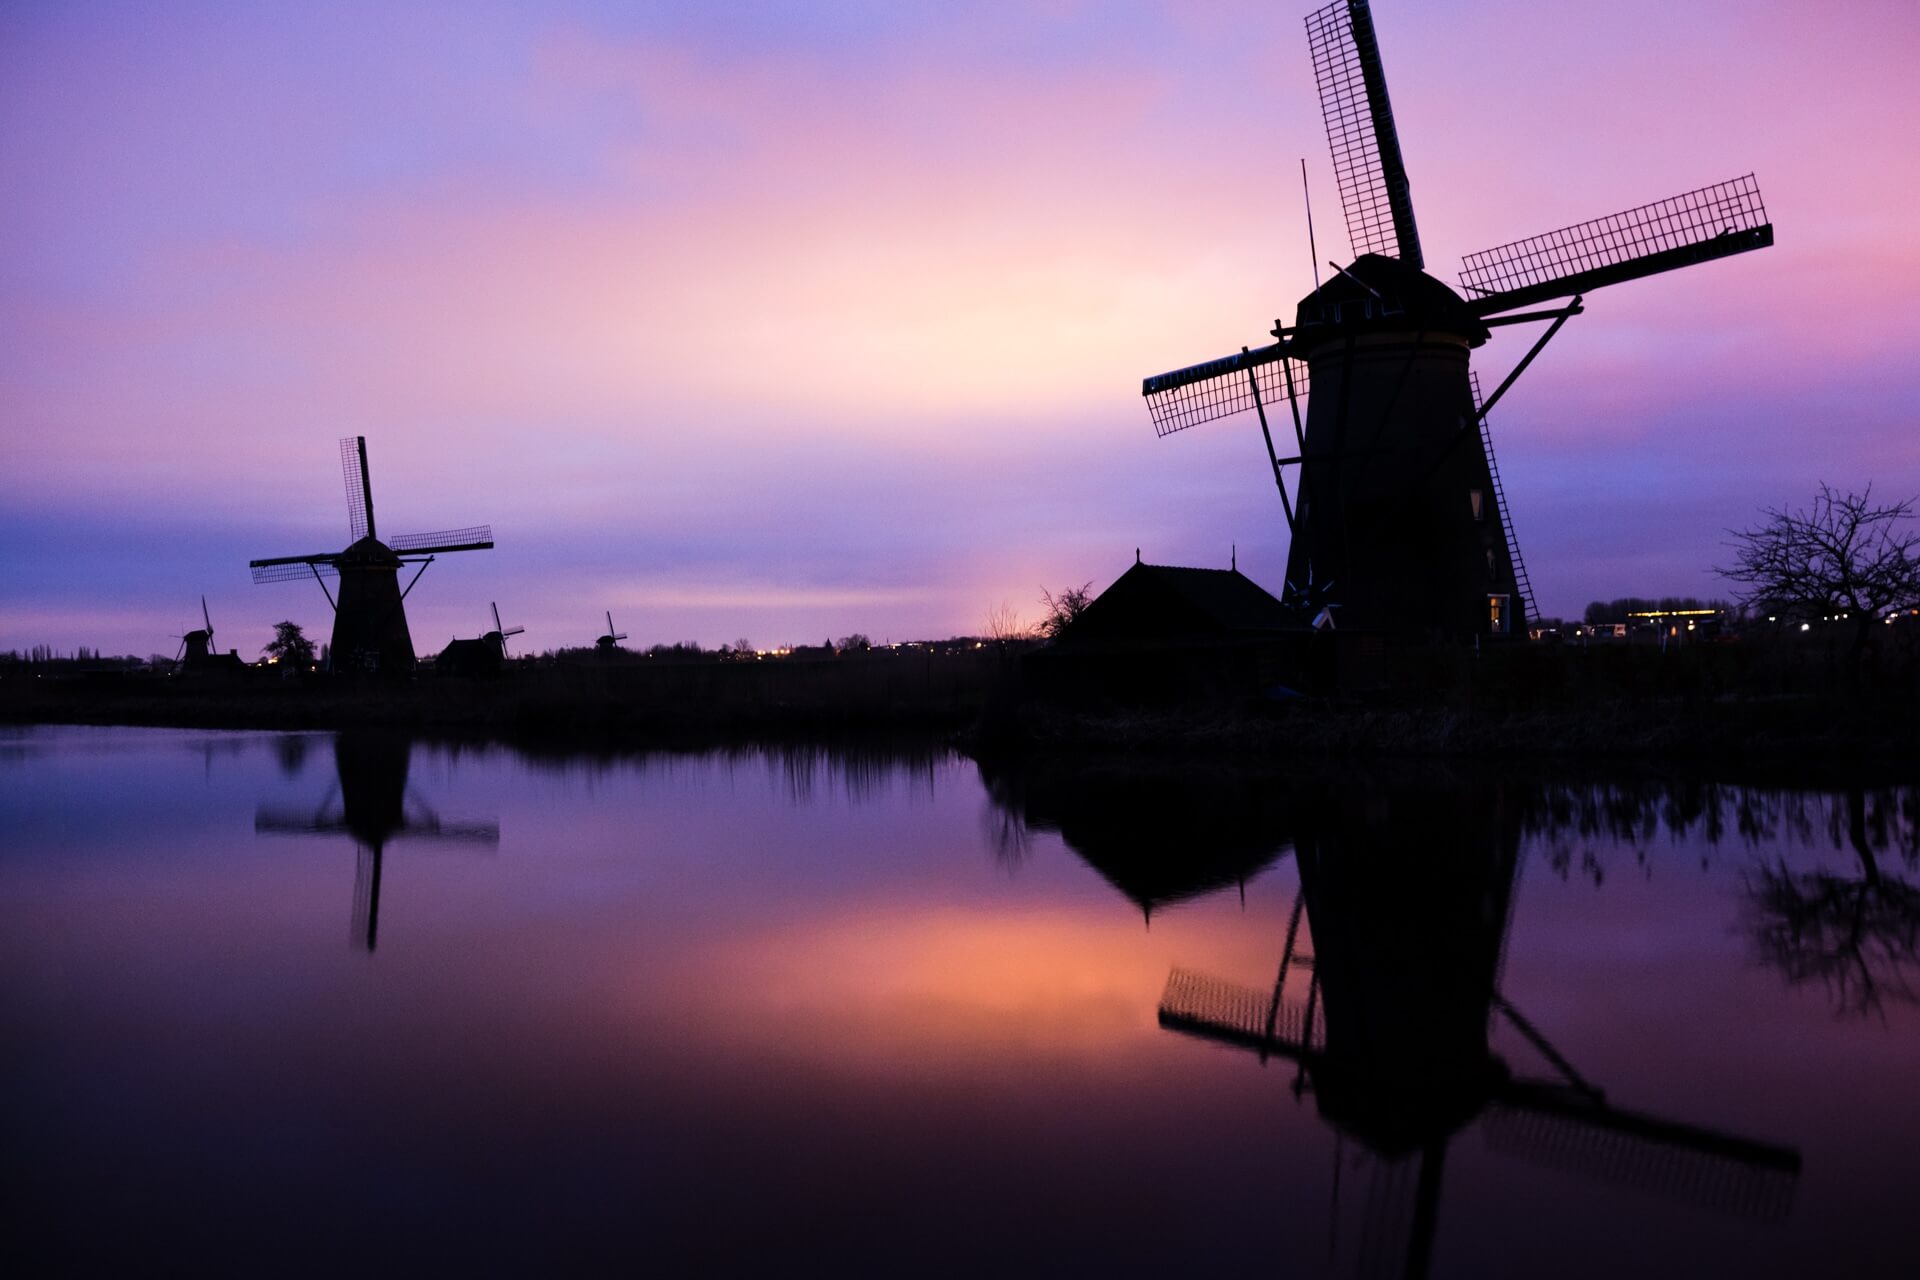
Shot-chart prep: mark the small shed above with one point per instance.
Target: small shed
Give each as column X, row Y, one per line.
column 1164, row 635
column 483, row 657
column 1152, row 603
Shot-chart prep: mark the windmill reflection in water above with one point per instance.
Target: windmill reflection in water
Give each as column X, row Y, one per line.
column 372, row 805
column 1388, row 1022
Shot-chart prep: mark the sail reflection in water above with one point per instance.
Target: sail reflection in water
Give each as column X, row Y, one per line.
column 371, row 805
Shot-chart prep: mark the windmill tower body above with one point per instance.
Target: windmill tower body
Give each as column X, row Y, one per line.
column 1397, row 514
column 1398, row 517
column 369, row 621
column 196, row 648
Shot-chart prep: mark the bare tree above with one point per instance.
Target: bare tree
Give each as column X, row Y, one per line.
column 1004, row 625
column 1841, row 556
column 1062, row 609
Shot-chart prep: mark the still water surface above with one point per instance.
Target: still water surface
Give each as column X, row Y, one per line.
column 278, row 1003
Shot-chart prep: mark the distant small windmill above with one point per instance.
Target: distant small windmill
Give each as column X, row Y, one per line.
column 606, row 643
column 1398, row 516
column 369, row 619
column 196, row 647
column 498, row 636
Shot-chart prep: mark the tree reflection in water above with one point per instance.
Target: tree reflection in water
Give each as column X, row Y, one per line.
column 1858, row 935
column 1854, row 932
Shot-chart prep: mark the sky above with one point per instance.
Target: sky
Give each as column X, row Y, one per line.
column 779, row 322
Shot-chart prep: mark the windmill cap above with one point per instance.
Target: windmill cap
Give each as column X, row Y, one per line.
column 1377, row 294
column 368, row 550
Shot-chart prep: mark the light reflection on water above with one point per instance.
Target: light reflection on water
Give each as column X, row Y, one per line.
column 363, row 1002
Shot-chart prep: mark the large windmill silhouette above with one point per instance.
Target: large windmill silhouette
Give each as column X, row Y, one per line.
column 1397, row 515
column 369, row 618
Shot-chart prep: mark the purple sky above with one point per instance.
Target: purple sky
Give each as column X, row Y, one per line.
column 785, row 324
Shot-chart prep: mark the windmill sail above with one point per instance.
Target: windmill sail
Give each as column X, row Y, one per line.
column 1546, row 1122
column 1695, row 226
column 353, row 469
column 1366, row 147
column 289, row 568
column 1211, row 1009
column 479, row 537
column 1725, row 1172
column 1219, row 388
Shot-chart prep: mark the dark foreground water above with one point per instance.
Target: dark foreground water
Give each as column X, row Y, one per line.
column 276, row 1003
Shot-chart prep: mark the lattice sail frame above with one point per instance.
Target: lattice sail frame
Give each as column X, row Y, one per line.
column 1360, row 132
column 350, row 470
column 1758, row 1189
column 288, row 572
column 1228, row 1011
column 446, row 539
column 1219, row 388
column 1717, row 1171
column 1713, row 221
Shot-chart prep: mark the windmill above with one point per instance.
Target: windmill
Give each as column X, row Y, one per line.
column 196, row 647
column 369, row 620
column 609, row 641
column 196, row 655
column 370, row 805
column 485, row 656
column 1408, row 910
column 497, row 637
column 1397, row 516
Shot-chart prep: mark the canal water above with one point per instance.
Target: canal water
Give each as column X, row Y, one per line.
column 284, row 1003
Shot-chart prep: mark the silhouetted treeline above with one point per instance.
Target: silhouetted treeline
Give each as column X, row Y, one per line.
column 46, row 657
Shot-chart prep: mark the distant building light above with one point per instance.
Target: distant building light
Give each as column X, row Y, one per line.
column 1806, row 626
